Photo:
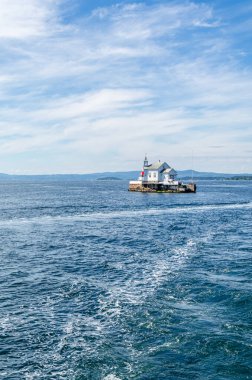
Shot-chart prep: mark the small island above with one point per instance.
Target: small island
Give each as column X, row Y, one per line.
column 108, row 179
column 159, row 177
column 240, row 178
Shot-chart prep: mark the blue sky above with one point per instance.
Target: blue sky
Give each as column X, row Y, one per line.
column 89, row 86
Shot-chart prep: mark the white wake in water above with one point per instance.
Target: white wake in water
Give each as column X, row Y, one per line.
column 96, row 216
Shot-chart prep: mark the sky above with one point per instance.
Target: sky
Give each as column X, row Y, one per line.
column 92, row 85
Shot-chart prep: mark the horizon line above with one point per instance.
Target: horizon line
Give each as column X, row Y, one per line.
column 111, row 172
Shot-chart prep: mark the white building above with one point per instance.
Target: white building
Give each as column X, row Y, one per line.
column 160, row 177
column 157, row 173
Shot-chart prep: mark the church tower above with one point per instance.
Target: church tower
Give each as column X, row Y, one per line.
column 145, row 161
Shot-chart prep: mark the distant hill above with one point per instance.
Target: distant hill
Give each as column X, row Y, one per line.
column 72, row 177
column 196, row 174
column 183, row 174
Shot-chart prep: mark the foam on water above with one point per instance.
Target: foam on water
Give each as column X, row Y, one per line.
column 96, row 216
column 127, row 292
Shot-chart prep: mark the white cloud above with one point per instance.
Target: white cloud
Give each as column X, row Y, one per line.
column 126, row 79
column 26, row 18
column 94, row 104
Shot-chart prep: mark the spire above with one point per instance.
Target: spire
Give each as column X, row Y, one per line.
column 146, row 160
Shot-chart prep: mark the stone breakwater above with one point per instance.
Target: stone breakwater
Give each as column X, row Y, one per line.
column 157, row 188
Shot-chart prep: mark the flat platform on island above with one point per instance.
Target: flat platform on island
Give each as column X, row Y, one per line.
column 137, row 186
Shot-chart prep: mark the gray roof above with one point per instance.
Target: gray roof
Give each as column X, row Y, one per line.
column 154, row 166
column 168, row 170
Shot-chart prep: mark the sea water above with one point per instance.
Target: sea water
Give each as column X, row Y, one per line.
column 103, row 284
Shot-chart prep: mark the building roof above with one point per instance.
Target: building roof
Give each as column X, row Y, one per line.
column 155, row 165
column 168, row 170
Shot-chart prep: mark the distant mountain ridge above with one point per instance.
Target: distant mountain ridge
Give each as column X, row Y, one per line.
column 186, row 174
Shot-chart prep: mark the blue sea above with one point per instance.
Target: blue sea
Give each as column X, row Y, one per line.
column 98, row 283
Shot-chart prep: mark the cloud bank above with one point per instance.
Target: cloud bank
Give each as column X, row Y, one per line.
column 92, row 91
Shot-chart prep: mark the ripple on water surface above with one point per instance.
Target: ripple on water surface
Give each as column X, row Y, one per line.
column 110, row 285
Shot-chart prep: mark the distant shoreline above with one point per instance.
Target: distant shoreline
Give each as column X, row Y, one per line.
column 240, row 178
column 108, row 179
column 188, row 175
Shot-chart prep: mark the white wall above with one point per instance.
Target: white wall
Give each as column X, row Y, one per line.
column 155, row 175
column 152, row 175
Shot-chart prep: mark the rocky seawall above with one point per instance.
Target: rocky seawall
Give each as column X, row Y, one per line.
column 157, row 188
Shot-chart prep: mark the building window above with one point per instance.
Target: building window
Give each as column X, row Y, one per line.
column 154, row 174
